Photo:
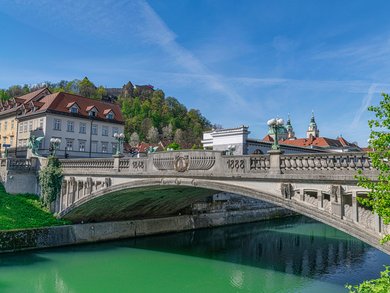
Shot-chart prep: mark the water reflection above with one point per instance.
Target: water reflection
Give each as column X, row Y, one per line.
column 295, row 245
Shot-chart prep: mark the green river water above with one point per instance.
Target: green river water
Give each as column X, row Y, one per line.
column 288, row 255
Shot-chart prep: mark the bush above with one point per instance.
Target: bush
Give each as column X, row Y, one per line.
column 50, row 179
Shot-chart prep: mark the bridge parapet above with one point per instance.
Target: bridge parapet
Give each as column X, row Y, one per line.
column 199, row 163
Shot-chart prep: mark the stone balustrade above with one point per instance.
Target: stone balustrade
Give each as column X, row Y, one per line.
column 101, row 163
column 192, row 163
column 329, row 161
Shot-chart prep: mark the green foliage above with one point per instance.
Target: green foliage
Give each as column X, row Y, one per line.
column 50, row 179
column 24, row 211
column 380, row 285
column 87, row 88
column 174, row 146
column 4, row 95
column 378, row 198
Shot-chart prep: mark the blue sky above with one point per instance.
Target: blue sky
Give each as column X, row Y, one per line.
column 239, row 62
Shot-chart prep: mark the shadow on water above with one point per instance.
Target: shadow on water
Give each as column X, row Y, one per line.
column 27, row 258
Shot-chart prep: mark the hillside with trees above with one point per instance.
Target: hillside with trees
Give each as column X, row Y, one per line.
column 149, row 115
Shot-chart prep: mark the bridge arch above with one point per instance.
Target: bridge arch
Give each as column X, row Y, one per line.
column 141, row 197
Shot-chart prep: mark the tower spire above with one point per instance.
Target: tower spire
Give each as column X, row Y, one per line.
column 313, row 129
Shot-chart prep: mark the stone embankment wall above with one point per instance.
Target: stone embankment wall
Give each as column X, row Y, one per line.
column 11, row 241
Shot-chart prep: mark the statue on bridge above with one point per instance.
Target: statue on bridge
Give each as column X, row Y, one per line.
column 33, row 145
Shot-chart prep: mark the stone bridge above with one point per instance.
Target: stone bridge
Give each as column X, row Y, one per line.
column 321, row 186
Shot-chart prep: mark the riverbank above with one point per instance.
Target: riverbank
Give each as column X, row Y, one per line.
column 24, row 211
column 27, row 239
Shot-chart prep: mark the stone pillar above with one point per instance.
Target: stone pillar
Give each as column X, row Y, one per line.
column 117, row 159
column 320, row 199
column 301, row 194
column 355, row 207
column 274, row 161
column 377, row 223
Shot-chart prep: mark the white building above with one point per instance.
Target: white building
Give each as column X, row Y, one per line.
column 237, row 139
column 85, row 126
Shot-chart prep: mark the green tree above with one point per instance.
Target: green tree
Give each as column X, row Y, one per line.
column 4, row 95
column 50, row 179
column 378, row 198
column 87, row 88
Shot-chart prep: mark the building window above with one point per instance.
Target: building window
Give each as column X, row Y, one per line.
column 70, row 127
column 22, row 142
column 83, row 127
column 11, row 140
column 104, row 130
column 74, row 109
column 41, row 123
column 69, row 144
column 5, row 125
column 110, row 115
column 57, row 124
column 115, row 130
column 12, row 124
column 104, row 147
column 4, row 140
column 82, row 145
column 30, row 126
column 94, row 129
column 25, row 127
column 92, row 113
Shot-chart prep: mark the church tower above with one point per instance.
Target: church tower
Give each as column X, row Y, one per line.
column 290, row 129
column 312, row 130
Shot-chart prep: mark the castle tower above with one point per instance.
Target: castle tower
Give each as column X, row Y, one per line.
column 290, row 129
column 312, row 130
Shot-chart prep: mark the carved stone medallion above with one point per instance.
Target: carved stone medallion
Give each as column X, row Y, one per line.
column 181, row 164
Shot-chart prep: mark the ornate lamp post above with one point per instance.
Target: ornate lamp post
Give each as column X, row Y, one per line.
column 120, row 137
column 275, row 124
column 54, row 145
column 230, row 150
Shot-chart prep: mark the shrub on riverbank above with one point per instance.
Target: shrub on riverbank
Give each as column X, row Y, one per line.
column 24, row 211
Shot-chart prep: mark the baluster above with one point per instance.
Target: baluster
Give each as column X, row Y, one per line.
column 352, row 164
column 282, row 163
column 288, row 163
column 330, row 162
column 367, row 163
column 317, row 163
column 293, row 163
column 344, row 163
column 299, row 162
column 359, row 163
column 305, row 163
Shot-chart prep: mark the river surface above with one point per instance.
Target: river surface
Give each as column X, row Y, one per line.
column 288, row 255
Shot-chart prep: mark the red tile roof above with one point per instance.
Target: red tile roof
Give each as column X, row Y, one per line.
column 59, row 102
column 323, row 142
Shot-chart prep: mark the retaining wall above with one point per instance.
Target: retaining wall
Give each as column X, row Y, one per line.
column 16, row 240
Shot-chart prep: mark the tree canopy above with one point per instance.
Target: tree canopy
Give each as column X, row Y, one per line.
column 378, row 198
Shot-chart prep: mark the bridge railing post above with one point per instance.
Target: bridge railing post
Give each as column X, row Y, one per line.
column 117, row 159
column 274, row 161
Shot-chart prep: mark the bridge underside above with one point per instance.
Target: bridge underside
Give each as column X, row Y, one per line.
column 137, row 203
